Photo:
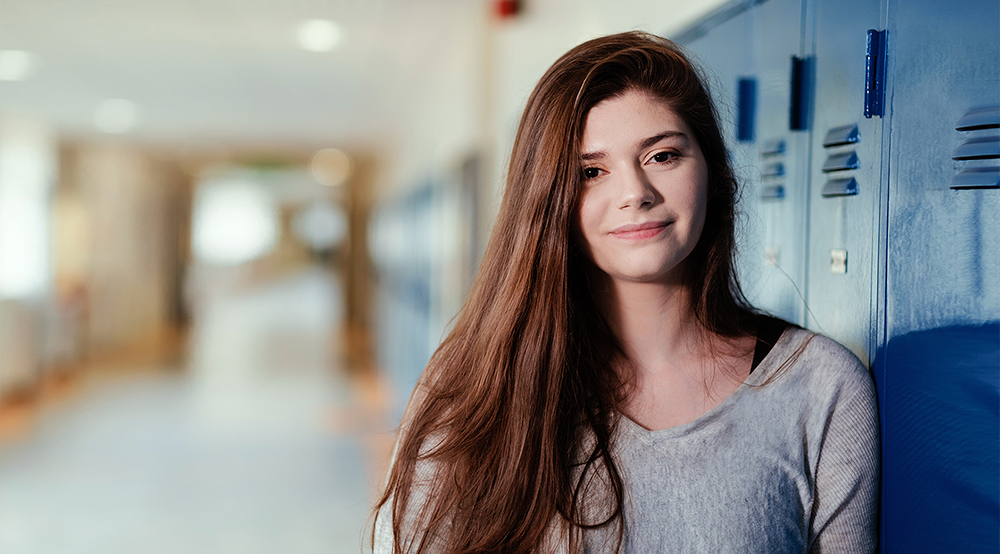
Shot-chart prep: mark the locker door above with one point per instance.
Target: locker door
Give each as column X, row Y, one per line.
column 846, row 186
column 780, row 184
column 720, row 47
column 723, row 46
column 938, row 374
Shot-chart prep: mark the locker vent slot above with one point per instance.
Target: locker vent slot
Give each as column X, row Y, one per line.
column 840, row 187
column 774, row 170
column 848, row 134
column 978, row 148
column 841, row 162
column 773, row 192
column 977, row 178
column 773, row 148
column 980, row 118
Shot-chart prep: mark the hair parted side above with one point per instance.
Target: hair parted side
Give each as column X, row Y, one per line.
column 498, row 422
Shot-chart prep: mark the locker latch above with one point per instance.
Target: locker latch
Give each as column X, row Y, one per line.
column 875, row 73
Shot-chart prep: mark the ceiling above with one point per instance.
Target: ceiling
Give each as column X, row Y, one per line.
column 227, row 73
column 224, row 71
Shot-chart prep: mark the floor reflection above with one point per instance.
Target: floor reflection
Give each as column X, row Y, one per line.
column 255, row 441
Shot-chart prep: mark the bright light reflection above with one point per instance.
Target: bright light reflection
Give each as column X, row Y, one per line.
column 25, row 177
column 318, row 35
column 331, row 167
column 233, row 223
column 16, row 65
column 116, row 115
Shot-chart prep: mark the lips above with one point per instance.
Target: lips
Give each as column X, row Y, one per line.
column 639, row 231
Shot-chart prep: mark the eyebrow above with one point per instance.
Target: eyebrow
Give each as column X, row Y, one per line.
column 646, row 143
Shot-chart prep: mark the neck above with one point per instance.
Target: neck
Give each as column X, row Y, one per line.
column 676, row 368
column 654, row 322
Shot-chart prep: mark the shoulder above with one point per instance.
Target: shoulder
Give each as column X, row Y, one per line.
column 824, row 368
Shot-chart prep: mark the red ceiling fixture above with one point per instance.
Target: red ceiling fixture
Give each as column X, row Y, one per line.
column 506, row 9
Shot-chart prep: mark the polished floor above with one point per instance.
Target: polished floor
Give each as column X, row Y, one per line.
column 255, row 439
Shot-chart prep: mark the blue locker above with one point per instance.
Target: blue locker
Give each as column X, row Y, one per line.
column 897, row 168
column 753, row 105
column 939, row 371
column 781, row 184
column 847, row 193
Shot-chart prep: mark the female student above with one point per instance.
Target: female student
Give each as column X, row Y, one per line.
column 607, row 387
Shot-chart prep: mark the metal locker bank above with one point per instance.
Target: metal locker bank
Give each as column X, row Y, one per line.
column 872, row 133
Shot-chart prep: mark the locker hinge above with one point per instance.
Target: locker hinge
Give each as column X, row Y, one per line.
column 875, row 74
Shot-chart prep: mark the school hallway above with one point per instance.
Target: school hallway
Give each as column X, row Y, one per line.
column 254, row 437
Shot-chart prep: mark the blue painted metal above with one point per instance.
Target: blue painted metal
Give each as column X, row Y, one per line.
column 798, row 101
column 940, row 367
column 847, row 134
column 746, row 106
column 978, row 148
column 845, row 214
column 875, row 73
column 940, row 398
column 841, row 162
column 774, row 147
column 773, row 192
column 921, row 299
column 840, row 187
column 977, row 178
column 987, row 117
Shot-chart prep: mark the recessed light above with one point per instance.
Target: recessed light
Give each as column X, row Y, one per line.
column 16, row 65
column 318, row 35
column 116, row 115
column 330, row 166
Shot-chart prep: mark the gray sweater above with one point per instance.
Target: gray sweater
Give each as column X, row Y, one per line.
column 788, row 463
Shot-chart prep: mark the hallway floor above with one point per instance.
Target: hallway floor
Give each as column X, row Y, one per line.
column 256, row 441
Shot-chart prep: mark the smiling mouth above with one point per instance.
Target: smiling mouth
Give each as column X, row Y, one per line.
column 639, row 231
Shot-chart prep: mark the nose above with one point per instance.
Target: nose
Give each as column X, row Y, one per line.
column 635, row 190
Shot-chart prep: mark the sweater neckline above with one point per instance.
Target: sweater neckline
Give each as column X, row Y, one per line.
column 761, row 373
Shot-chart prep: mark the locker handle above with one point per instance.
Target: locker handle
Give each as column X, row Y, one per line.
column 840, row 187
column 774, row 170
column 773, row 192
column 978, row 148
column 746, row 105
column 798, row 101
column 841, row 162
column 848, row 134
column 979, row 118
column 977, row 178
column 773, row 147
column 875, row 73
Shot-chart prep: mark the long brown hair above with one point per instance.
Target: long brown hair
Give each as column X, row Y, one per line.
column 491, row 453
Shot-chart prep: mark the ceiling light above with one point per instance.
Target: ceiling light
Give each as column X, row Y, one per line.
column 16, row 65
column 116, row 115
column 318, row 35
column 330, row 166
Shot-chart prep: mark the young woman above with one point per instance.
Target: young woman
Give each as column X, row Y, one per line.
column 607, row 387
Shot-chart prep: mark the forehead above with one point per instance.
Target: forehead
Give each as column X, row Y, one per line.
column 627, row 118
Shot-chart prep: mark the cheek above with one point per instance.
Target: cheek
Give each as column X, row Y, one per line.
column 585, row 223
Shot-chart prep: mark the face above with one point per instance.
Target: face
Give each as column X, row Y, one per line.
column 642, row 206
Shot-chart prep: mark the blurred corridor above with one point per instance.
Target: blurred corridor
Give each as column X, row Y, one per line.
column 231, row 236
column 256, row 439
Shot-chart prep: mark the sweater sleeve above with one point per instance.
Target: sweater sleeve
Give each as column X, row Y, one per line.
column 847, row 475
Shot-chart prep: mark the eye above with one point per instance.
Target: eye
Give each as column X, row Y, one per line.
column 591, row 172
column 664, row 156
